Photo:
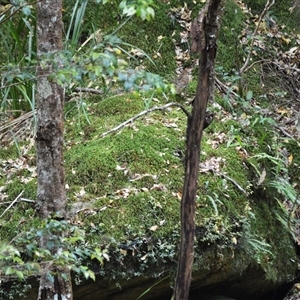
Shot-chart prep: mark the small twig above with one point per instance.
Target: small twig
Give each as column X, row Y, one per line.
column 267, row 7
column 285, row 67
column 145, row 112
column 12, row 204
column 225, row 87
column 16, row 121
column 21, row 199
column 88, row 90
column 233, row 181
column 253, row 64
column 27, row 200
column 13, row 13
column 285, row 133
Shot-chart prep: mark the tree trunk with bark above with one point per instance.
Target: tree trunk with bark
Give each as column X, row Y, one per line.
column 204, row 32
column 51, row 194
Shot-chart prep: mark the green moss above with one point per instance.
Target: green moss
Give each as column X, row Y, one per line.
column 15, row 187
column 23, row 218
column 123, row 105
column 9, row 152
column 143, row 151
column 223, row 211
column 230, row 54
column 102, row 115
column 134, row 216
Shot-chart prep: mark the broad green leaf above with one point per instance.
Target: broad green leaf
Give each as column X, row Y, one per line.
column 20, row 274
column 9, row 271
column 249, row 95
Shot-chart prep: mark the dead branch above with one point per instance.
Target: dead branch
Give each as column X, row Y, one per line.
column 9, row 206
column 89, row 90
column 27, row 200
column 20, row 200
column 253, row 64
column 268, row 5
column 285, row 68
column 145, row 112
column 233, row 181
column 285, row 133
column 223, row 87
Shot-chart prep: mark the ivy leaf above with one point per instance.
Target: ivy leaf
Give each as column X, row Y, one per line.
column 20, row 275
column 249, row 95
column 92, row 275
column 26, row 10
column 9, row 271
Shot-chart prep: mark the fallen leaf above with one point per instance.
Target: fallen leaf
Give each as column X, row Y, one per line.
column 124, row 252
column 153, row 228
column 262, row 177
column 162, row 222
column 144, row 257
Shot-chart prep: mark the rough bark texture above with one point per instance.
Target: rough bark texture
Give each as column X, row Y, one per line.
column 51, row 194
column 49, row 137
column 204, row 32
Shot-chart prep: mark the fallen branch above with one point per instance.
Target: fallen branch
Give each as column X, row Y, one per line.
column 253, row 64
column 233, row 181
column 95, row 91
column 145, row 112
column 27, row 200
column 88, row 90
column 285, row 68
column 285, row 132
column 21, row 199
column 18, row 197
column 224, row 87
column 15, row 122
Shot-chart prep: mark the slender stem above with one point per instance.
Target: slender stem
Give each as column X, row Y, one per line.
column 268, row 5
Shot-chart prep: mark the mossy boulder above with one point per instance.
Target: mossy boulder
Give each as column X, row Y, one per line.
column 125, row 191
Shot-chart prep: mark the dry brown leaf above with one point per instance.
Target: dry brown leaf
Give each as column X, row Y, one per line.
column 262, row 177
column 153, row 228
column 213, row 164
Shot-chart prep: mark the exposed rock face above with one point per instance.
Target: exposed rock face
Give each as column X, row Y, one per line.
column 234, row 270
column 250, row 283
column 294, row 293
column 223, row 277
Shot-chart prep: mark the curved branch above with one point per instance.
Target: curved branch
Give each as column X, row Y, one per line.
column 13, row 13
column 267, row 7
column 12, row 203
column 145, row 112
